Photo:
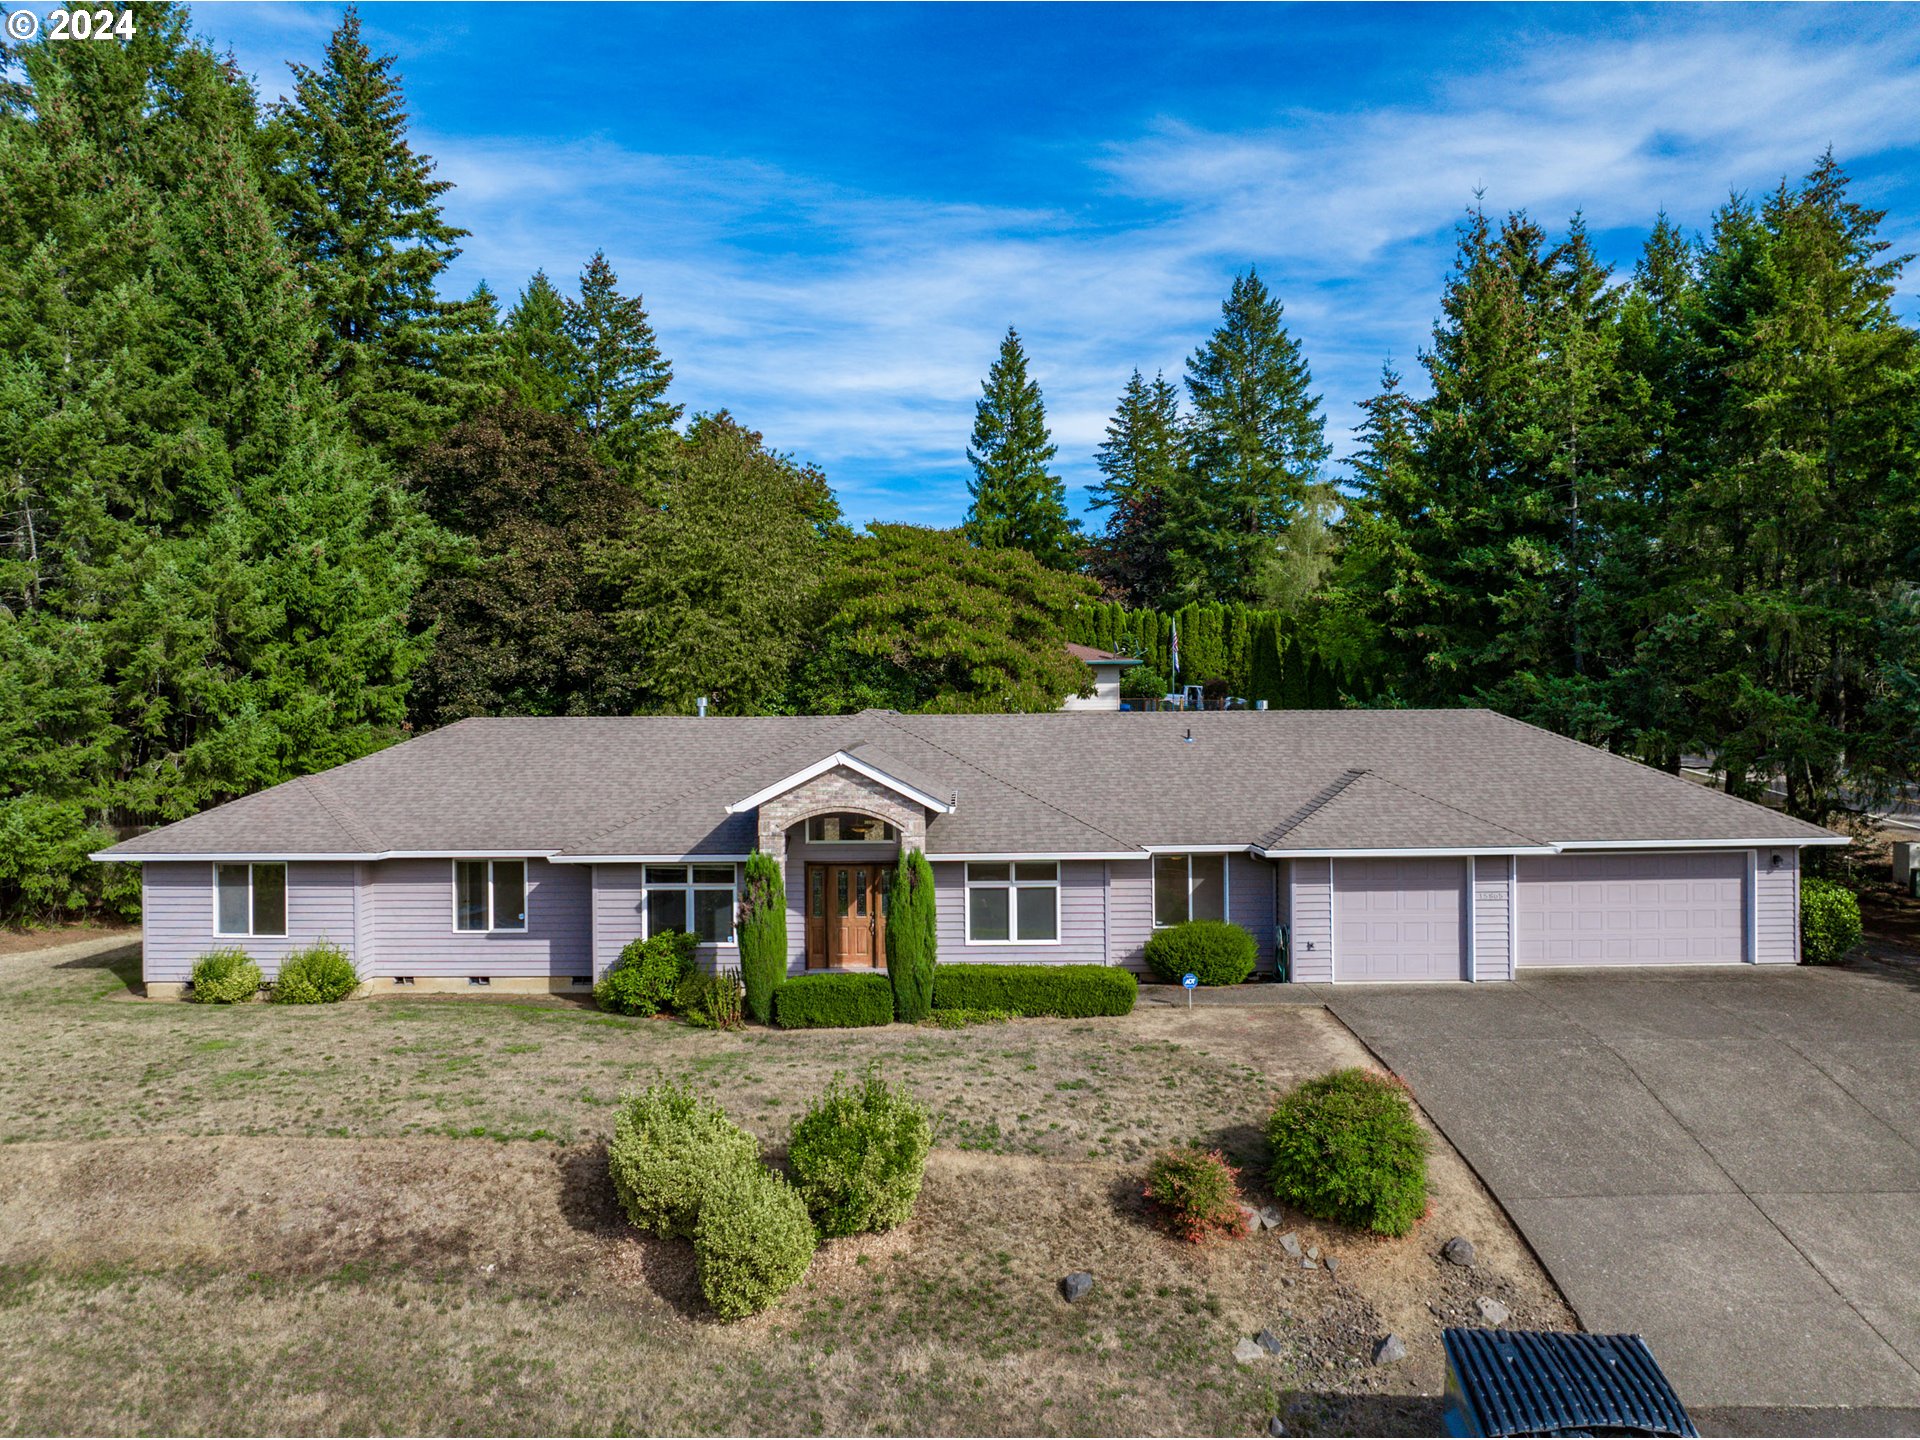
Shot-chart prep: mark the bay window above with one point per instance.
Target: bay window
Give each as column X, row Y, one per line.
column 1189, row 887
column 490, row 895
column 1013, row 902
column 250, row 899
column 699, row 898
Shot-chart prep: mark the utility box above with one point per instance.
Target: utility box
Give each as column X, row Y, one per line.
column 1551, row 1382
column 1906, row 859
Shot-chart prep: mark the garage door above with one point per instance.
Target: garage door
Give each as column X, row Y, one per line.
column 1399, row 920
column 1652, row 909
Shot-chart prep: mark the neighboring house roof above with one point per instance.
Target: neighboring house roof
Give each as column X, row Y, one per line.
column 1068, row 783
column 1101, row 657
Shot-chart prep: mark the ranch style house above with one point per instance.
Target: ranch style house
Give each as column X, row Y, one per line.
column 1355, row 845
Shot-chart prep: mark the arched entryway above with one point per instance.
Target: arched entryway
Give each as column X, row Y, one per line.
column 846, row 859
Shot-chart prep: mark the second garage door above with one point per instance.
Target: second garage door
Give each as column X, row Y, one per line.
column 1649, row 909
column 1399, row 920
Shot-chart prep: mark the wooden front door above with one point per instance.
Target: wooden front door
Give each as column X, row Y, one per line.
column 846, row 916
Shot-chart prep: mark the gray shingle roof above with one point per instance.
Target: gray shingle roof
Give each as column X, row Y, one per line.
column 1085, row 782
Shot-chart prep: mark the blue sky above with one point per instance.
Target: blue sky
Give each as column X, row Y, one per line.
column 835, row 212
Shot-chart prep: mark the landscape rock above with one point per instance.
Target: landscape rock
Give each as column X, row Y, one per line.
column 1270, row 1217
column 1268, row 1341
column 1246, row 1352
column 1275, row 1426
column 1076, row 1286
column 1313, row 1252
column 1457, row 1251
column 1290, row 1243
column 1252, row 1218
column 1493, row 1312
column 1332, row 1263
column 1389, row 1350
column 1309, row 1264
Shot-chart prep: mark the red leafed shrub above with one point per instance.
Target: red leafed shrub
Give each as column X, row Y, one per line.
column 1197, row 1193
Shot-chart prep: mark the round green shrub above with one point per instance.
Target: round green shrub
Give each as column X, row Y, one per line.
column 1197, row 1194
column 225, row 976
column 1218, row 951
column 644, row 978
column 1829, row 921
column 753, row 1241
column 317, row 975
column 668, row 1149
column 859, row 1155
column 1346, row 1147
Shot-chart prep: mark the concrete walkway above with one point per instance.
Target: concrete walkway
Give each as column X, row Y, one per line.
column 1725, row 1161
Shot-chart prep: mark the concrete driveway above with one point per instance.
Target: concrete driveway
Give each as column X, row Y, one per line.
column 1726, row 1161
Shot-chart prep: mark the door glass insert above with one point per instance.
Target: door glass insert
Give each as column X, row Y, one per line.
column 819, row 894
column 860, row 892
column 841, row 877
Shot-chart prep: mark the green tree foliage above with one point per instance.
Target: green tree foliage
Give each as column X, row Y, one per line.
column 1140, row 460
column 918, row 619
column 912, row 938
column 541, row 361
column 714, row 579
column 762, row 925
column 1230, row 650
column 1256, row 443
column 361, row 211
column 616, row 377
column 521, row 624
column 1017, row 503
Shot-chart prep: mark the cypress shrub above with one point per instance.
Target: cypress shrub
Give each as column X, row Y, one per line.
column 1829, row 921
column 224, row 977
column 911, row 939
column 820, row 1002
column 1066, row 991
column 1218, row 951
column 1346, row 1147
column 763, row 934
column 317, row 975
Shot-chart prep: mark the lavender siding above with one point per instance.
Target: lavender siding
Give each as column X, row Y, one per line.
column 1310, row 928
column 1083, row 919
column 413, row 923
column 1250, row 890
column 177, row 916
column 1129, row 912
column 1776, row 908
column 615, row 919
column 1492, row 918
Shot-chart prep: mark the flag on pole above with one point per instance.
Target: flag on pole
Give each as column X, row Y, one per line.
column 1176, row 654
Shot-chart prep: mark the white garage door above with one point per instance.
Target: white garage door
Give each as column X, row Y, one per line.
column 1399, row 920
column 1647, row 909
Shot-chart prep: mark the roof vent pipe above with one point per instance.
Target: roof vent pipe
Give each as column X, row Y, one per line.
column 1259, row 704
column 1188, row 737
column 700, row 707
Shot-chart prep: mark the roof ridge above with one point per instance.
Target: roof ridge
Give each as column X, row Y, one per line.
column 341, row 813
column 1317, row 802
column 893, row 719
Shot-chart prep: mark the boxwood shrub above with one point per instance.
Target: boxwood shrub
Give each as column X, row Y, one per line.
column 753, row 1241
column 1829, row 921
column 669, row 1148
column 318, row 975
column 1218, row 951
column 644, row 978
column 225, row 976
column 1346, row 1147
column 1067, row 991
column 858, row 1156
column 813, row 1002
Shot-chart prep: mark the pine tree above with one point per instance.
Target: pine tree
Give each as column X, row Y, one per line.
column 542, row 364
column 1256, row 441
column 1017, row 503
column 1140, row 459
column 361, row 210
column 618, row 381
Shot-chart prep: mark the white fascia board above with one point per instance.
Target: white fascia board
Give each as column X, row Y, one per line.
column 274, row 857
column 985, row 857
column 1241, row 849
column 1409, row 852
column 649, row 859
column 859, row 767
column 1563, row 845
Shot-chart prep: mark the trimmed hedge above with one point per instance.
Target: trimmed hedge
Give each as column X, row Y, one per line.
column 318, row 975
column 825, row 1002
column 1346, row 1147
column 224, row 977
column 859, row 1154
column 669, row 1148
column 753, row 1241
column 1218, row 951
column 1068, row 992
column 1829, row 921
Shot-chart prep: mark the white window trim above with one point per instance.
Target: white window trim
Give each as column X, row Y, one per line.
column 1226, row 884
column 686, row 888
column 969, row 885
column 526, row 893
column 286, row 889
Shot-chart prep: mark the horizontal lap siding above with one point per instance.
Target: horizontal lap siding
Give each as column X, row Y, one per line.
column 1129, row 912
column 1310, row 932
column 1492, row 937
column 1083, row 919
column 177, row 916
column 1250, row 883
column 413, row 923
column 1776, row 908
column 617, row 918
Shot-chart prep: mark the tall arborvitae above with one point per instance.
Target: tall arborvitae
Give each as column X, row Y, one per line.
column 1139, row 460
column 361, row 211
column 540, row 357
column 618, row 383
column 1017, row 503
column 1257, row 442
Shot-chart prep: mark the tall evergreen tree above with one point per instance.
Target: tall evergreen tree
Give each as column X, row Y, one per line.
column 361, row 210
column 541, row 360
column 1140, row 459
column 1017, row 503
column 618, row 378
column 1256, row 442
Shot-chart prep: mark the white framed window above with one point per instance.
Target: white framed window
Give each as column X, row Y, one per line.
column 250, row 899
column 1189, row 887
column 490, row 895
column 700, row 898
column 844, row 828
column 1013, row 903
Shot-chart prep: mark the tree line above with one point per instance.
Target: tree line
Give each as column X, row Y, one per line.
column 270, row 500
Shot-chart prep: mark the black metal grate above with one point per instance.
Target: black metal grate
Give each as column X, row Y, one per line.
column 1518, row 1382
